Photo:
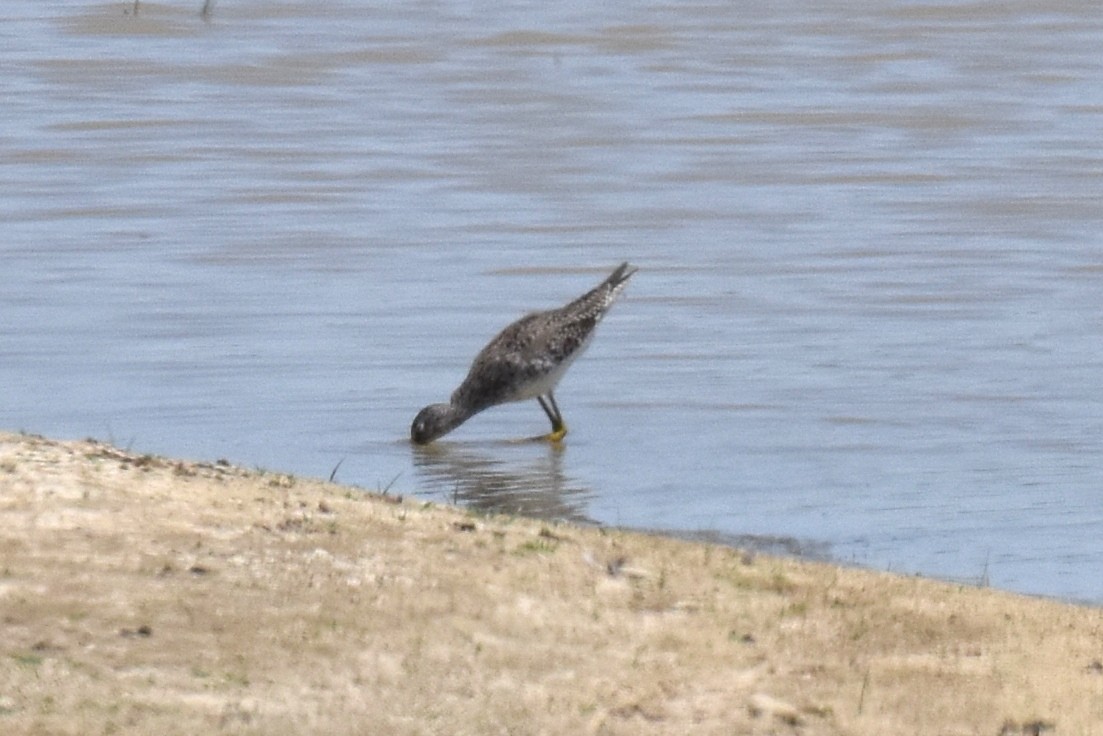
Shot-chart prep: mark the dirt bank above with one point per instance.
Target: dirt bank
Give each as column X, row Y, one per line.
column 143, row 595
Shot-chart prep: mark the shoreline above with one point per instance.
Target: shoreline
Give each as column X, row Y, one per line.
column 142, row 594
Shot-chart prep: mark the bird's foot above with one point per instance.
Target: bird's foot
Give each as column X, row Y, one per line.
column 555, row 437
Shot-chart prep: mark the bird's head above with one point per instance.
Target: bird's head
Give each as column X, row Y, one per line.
column 435, row 420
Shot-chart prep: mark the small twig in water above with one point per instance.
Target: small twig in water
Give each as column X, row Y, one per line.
column 333, row 474
column 387, row 487
column 205, row 13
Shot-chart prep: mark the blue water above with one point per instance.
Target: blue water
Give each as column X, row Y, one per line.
column 867, row 316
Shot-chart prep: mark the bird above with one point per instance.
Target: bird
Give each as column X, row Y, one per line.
column 526, row 360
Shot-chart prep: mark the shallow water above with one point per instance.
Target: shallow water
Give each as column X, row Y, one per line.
column 867, row 317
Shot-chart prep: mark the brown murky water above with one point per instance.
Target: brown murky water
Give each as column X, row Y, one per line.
column 868, row 313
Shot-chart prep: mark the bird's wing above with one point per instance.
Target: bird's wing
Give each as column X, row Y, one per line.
column 516, row 355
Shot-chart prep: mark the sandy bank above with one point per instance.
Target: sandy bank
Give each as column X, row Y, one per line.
column 142, row 595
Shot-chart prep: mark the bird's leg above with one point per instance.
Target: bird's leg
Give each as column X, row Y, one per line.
column 559, row 429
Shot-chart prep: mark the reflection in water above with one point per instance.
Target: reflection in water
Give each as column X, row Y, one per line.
column 531, row 486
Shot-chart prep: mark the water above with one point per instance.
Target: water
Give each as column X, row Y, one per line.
column 867, row 317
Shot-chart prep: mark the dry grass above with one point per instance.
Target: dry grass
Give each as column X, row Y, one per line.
column 140, row 595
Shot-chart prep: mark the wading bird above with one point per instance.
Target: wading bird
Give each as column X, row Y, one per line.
column 525, row 361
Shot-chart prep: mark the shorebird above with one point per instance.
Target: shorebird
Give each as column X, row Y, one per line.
column 525, row 361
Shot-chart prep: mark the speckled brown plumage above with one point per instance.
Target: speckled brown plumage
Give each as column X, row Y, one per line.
column 525, row 360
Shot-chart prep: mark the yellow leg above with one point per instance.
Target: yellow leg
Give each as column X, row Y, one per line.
column 559, row 428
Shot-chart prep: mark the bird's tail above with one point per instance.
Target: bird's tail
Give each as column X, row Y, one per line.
column 616, row 281
column 594, row 303
column 617, row 278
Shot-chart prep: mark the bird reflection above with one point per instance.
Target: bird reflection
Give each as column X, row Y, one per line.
column 533, row 485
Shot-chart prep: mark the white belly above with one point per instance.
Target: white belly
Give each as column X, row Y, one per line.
column 547, row 383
